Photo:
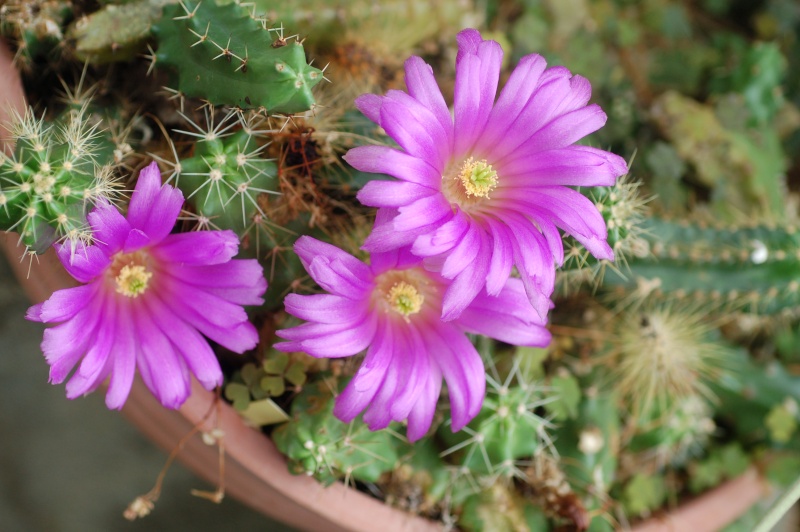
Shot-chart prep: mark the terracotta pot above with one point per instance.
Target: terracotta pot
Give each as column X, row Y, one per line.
column 255, row 472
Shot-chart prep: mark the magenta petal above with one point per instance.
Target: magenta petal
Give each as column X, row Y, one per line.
column 477, row 75
column 392, row 193
column 135, row 241
column 308, row 248
column 576, row 214
column 469, row 282
column 197, row 248
column 464, row 254
column 334, row 276
column 63, row 304
column 154, row 208
column 223, row 322
column 345, row 342
column 421, row 415
column 385, row 160
column 411, row 134
column 86, row 263
column 239, row 281
column 502, row 257
column 352, row 402
column 324, row 308
column 570, row 166
column 422, row 212
column 124, row 361
column 540, row 109
column 439, row 134
column 96, row 364
column 563, row 131
column 380, row 355
column 578, row 96
column 109, row 227
column 65, row 344
column 445, row 238
column 385, row 238
column 378, row 414
column 196, row 352
column 522, row 83
column 411, row 373
column 163, row 372
column 463, row 371
column 370, row 105
column 368, row 379
column 422, row 86
column 507, row 317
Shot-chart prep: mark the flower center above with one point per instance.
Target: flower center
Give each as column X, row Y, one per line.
column 469, row 183
column 478, row 178
column 131, row 274
column 404, row 298
column 132, row 280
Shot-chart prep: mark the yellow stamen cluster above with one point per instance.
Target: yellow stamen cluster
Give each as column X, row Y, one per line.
column 477, row 177
column 405, row 299
column 132, row 280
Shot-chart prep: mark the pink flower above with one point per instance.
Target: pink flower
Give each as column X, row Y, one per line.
column 486, row 190
column 392, row 309
column 148, row 296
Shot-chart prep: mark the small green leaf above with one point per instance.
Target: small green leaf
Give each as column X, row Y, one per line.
column 296, row 374
column 239, row 394
column 250, row 374
column 276, row 363
column 273, row 385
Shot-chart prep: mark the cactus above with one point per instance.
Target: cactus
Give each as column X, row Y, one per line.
column 660, row 354
column 225, row 174
column 753, row 268
column 116, row 32
column 36, row 26
column 623, row 208
column 588, row 448
column 319, row 444
column 670, row 436
column 225, row 56
column 56, row 172
column 507, row 428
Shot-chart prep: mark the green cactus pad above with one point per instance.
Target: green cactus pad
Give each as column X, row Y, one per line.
column 115, row 32
column 224, row 56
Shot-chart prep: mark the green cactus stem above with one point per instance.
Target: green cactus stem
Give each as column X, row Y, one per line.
column 37, row 26
column 225, row 175
column 754, row 268
column 116, row 32
column 57, row 171
column 223, row 55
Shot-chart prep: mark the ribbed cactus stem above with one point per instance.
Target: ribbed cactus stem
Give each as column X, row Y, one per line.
column 223, row 55
column 754, row 267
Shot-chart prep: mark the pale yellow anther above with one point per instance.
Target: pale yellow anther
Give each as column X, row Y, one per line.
column 477, row 177
column 132, row 280
column 405, row 299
